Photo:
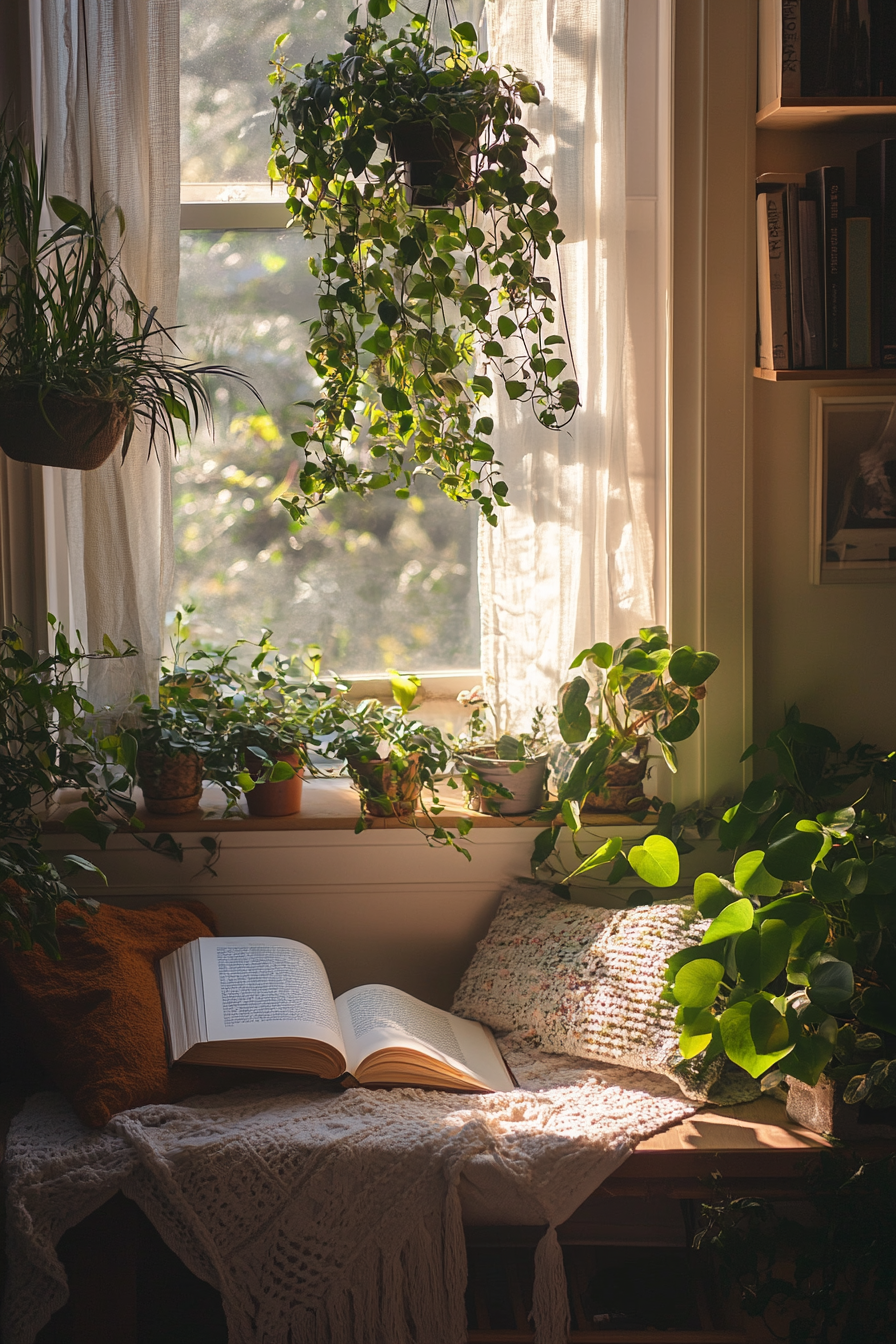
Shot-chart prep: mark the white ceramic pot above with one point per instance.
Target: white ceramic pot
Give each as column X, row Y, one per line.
column 526, row 785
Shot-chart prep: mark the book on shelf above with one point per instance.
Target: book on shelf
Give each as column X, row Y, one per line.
column 266, row 1003
column 771, row 270
column 811, row 303
column 876, row 193
column 826, row 49
column 827, row 187
column 858, row 229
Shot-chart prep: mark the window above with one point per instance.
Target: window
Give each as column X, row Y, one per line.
column 377, row 582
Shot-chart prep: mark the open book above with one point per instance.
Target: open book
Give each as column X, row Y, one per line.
column 266, row 1003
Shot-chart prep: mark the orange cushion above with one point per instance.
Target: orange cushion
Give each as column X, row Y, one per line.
column 94, row 1019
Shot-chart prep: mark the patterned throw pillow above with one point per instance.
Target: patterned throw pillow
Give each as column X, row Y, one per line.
column 581, row 981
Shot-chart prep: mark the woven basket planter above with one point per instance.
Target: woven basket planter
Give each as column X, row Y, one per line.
column 376, row 780
column 822, row 1109
column 171, row 785
column 625, row 781
column 82, row 432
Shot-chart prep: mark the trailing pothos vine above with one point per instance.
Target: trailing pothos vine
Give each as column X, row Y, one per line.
column 418, row 307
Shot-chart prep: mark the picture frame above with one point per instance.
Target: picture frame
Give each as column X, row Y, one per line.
column 853, row 486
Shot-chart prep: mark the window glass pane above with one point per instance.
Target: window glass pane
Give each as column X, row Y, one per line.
column 225, row 97
column 377, row 582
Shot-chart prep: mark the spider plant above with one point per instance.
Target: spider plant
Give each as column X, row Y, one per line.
column 73, row 333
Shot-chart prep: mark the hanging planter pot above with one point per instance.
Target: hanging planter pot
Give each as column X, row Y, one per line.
column 171, row 785
column 437, row 167
column 75, row 432
column 624, row 781
column 387, row 791
column 278, row 797
column 526, row 785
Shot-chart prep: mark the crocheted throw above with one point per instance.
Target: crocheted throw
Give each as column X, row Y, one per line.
column 328, row 1217
column 583, row 981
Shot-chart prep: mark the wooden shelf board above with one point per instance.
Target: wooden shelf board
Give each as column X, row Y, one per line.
column 801, row 114
column 826, row 375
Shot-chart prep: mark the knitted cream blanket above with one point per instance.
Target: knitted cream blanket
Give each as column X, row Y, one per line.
column 332, row 1218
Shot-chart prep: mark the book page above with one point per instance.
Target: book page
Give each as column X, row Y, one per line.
column 264, row 988
column 378, row 1017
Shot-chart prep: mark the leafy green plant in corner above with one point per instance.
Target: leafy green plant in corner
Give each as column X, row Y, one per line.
column 410, row 298
column 46, row 744
column 796, row 973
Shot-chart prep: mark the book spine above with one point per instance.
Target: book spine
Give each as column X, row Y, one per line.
column 876, row 193
column 769, row 51
column 829, row 188
column 791, row 85
column 815, row 31
column 794, row 281
column 774, row 344
column 810, row 279
column 857, row 238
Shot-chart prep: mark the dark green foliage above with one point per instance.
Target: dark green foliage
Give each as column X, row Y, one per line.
column 45, row 745
column 829, row 1278
column 804, row 926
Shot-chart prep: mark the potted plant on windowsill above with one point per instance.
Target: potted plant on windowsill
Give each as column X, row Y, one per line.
column 263, row 725
column 503, row 774
column 82, row 361
column 394, row 761
column 407, row 296
column 647, row 692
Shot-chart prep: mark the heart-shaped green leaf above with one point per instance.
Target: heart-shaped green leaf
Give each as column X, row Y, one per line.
column 828, row 888
column 600, row 654
column 752, row 877
column 808, row 1058
column 689, row 668
column 792, row 858
column 737, row 1036
column 735, row 918
column 768, row 1028
column 656, row 861
column 573, row 714
column 711, row 895
column 696, row 1032
column 761, row 954
column 697, row 983
column 831, row 984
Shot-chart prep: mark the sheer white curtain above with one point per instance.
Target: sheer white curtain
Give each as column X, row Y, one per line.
column 572, row 561
column 105, row 96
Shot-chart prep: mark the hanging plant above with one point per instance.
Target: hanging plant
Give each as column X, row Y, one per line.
column 82, row 361
column 409, row 161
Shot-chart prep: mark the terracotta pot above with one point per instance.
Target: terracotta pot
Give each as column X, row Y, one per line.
column 625, row 781
column 822, row 1109
column 401, row 787
column 171, row 784
column 429, row 156
column 276, row 799
column 82, row 432
column 526, row 785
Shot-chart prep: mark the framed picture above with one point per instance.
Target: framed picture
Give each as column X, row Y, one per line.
column 853, row 531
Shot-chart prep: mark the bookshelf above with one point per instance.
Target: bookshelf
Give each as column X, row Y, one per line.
column 812, row 114
column 826, row 375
